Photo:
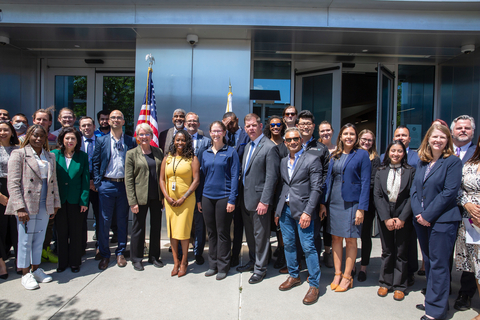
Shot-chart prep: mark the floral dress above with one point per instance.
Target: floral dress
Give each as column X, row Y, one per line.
column 467, row 256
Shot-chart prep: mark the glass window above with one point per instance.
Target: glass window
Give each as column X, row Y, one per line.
column 119, row 94
column 415, row 100
column 70, row 92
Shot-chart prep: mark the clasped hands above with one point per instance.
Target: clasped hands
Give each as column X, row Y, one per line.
column 474, row 211
column 394, row 224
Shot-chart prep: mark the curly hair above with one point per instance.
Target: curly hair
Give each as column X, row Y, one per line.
column 63, row 133
column 268, row 132
column 188, row 152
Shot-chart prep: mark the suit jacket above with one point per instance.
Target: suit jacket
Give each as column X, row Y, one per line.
column 320, row 150
column 403, row 209
column 438, row 191
column 102, row 153
column 137, row 175
column 304, row 187
column 25, row 183
column 412, row 157
column 203, row 143
column 74, row 182
column 243, row 139
column 165, row 138
column 356, row 177
column 260, row 175
column 469, row 153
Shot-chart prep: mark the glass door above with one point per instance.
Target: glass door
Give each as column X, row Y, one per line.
column 320, row 91
column 70, row 88
column 385, row 104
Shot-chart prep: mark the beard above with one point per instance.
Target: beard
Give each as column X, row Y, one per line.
column 107, row 127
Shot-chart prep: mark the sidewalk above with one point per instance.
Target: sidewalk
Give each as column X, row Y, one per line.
column 123, row 293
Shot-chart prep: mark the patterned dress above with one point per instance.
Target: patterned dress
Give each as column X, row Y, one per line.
column 467, row 256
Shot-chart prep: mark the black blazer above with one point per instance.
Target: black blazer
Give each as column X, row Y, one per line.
column 403, row 208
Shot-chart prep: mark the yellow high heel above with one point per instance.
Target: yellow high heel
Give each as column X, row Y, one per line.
column 341, row 289
column 334, row 286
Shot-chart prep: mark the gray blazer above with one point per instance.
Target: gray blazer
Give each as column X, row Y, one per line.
column 304, row 187
column 260, row 175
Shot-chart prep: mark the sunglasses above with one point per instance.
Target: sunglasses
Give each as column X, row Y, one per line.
column 296, row 139
column 290, row 113
column 273, row 125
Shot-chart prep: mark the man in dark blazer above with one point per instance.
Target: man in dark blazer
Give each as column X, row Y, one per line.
column 463, row 130
column 306, row 125
column 200, row 144
column 402, row 133
column 236, row 138
column 109, row 180
column 165, row 137
column 301, row 179
column 259, row 177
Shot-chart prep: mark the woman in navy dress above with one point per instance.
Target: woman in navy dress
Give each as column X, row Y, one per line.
column 347, row 197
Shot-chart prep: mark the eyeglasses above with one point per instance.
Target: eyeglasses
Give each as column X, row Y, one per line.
column 217, row 131
column 296, row 139
column 192, row 121
column 273, row 125
column 366, row 140
column 142, row 135
column 290, row 114
column 305, row 124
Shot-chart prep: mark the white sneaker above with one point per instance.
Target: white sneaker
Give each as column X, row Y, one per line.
column 29, row 282
column 41, row 277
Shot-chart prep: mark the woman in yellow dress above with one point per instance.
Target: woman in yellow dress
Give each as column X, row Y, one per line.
column 180, row 177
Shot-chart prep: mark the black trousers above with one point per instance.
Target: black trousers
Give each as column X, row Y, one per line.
column 468, row 284
column 237, row 226
column 412, row 252
column 217, row 222
column 137, row 240
column 93, row 199
column 8, row 226
column 69, row 226
column 366, row 235
column 394, row 269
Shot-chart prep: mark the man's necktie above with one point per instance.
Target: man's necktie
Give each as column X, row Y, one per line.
column 89, row 153
column 252, row 146
column 231, row 139
column 457, row 152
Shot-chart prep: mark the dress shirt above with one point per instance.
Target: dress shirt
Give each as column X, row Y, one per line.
column 116, row 166
column 194, row 141
column 67, row 161
column 463, row 149
column 237, row 136
column 291, row 167
column 42, row 163
column 256, row 142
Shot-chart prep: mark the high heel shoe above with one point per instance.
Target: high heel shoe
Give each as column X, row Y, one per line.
column 4, row 276
column 183, row 270
column 175, row 270
column 334, row 286
column 350, row 285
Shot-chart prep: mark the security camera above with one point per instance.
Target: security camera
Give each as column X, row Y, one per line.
column 469, row 48
column 192, row 39
column 4, row 40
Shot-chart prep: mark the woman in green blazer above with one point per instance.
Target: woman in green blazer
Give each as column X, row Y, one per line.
column 142, row 176
column 73, row 178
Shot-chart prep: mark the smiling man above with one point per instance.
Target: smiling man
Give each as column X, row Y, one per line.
column 165, row 137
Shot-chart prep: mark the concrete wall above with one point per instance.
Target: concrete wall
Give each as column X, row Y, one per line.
column 194, row 79
column 18, row 81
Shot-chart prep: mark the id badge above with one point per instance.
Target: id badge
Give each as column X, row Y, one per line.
column 173, row 186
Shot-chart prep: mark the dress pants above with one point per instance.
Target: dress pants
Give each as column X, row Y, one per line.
column 366, row 235
column 199, row 232
column 290, row 227
column 93, row 199
column 394, row 269
column 69, row 226
column 237, row 225
column 8, row 226
column 257, row 232
column 218, row 222
column 113, row 197
column 437, row 242
column 468, row 284
column 412, row 252
column 137, row 240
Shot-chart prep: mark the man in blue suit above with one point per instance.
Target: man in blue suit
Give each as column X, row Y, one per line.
column 463, row 129
column 109, row 179
column 237, row 138
column 200, row 144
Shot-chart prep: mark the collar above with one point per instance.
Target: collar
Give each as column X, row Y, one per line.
column 92, row 137
column 464, row 148
column 194, row 136
column 224, row 148
column 175, row 130
column 258, row 140
column 113, row 138
column 298, row 154
column 306, row 143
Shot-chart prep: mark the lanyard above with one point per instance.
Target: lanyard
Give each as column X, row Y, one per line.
column 175, row 167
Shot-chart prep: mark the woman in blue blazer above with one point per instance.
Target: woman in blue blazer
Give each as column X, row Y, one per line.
column 436, row 214
column 347, row 196
column 73, row 178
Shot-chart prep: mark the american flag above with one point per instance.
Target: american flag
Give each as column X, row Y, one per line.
column 148, row 114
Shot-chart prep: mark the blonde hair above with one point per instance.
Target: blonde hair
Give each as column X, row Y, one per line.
column 372, row 153
column 425, row 151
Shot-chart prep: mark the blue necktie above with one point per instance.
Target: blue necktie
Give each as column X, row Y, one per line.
column 252, row 146
column 90, row 153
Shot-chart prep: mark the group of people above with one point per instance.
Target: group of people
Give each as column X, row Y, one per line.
column 278, row 178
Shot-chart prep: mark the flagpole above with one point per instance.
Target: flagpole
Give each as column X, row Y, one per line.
column 151, row 61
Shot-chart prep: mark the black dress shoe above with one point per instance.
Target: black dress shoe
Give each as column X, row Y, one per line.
column 245, row 268
column 4, row 276
column 98, row 256
column 427, row 318
column 424, row 291
column 234, row 261
column 156, row 263
column 463, row 302
column 138, row 265
column 362, row 276
column 75, row 269
column 420, row 307
column 199, row 259
column 60, row 270
column 256, row 278
column 114, row 238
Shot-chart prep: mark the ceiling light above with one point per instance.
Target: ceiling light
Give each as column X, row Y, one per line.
column 76, row 46
column 365, row 50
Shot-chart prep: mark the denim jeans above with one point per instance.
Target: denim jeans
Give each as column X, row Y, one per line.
column 288, row 226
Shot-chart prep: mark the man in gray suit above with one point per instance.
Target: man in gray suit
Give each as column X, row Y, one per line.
column 259, row 177
column 301, row 179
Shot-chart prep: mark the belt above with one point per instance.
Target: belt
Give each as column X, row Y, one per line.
column 114, row 179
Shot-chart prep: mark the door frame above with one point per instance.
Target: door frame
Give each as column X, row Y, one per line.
column 383, row 71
